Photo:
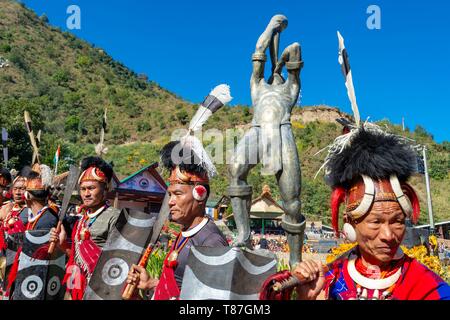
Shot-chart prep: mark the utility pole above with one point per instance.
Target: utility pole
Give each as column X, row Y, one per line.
column 427, row 183
column 5, row 146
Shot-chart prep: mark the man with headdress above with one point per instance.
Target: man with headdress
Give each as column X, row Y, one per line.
column 368, row 170
column 5, row 180
column 13, row 218
column 90, row 232
column 14, row 214
column 188, row 191
column 369, row 176
column 41, row 216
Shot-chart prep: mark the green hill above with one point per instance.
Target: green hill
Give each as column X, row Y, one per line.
column 66, row 83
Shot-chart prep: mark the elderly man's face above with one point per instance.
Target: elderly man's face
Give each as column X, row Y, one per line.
column 18, row 189
column 381, row 232
column 2, row 189
column 92, row 193
column 183, row 207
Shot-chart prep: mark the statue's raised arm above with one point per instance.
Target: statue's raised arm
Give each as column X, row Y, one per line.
column 270, row 37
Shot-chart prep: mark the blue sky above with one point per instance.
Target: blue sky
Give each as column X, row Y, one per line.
column 400, row 70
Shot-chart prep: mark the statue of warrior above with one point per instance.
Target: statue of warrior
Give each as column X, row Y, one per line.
column 270, row 140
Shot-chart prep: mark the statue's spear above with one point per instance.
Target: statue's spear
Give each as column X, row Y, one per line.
column 33, row 140
column 100, row 148
column 345, row 66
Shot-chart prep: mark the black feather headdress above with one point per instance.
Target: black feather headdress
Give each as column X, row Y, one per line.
column 370, row 151
column 25, row 171
column 175, row 154
column 97, row 162
column 5, row 175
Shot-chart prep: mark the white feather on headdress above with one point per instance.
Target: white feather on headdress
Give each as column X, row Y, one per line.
column 221, row 93
column 216, row 99
column 46, row 175
column 193, row 143
column 101, row 149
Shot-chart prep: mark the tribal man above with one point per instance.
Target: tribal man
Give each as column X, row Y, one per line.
column 14, row 214
column 5, row 180
column 15, row 210
column 368, row 170
column 41, row 216
column 369, row 176
column 90, row 232
column 188, row 191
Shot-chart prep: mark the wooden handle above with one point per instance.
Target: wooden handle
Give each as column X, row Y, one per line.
column 52, row 246
column 293, row 281
column 128, row 292
column 129, row 288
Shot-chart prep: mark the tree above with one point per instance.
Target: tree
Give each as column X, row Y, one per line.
column 72, row 123
column 84, row 61
column 439, row 166
column 44, row 18
column 182, row 116
column 61, row 76
column 17, row 58
column 422, row 133
column 4, row 47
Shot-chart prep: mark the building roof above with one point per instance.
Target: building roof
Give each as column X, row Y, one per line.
column 265, row 207
column 144, row 185
column 149, row 167
column 215, row 203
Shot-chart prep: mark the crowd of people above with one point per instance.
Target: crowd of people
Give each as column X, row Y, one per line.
column 274, row 243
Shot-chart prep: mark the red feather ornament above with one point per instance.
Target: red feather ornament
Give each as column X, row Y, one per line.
column 414, row 199
column 337, row 197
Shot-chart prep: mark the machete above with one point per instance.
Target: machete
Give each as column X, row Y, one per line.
column 162, row 217
column 71, row 184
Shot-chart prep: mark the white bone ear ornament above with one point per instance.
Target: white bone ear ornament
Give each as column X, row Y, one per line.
column 369, row 196
column 349, row 232
column 95, row 175
column 401, row 198
column 181, row 175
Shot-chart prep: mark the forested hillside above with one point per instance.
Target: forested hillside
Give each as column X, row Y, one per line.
column 66, row 83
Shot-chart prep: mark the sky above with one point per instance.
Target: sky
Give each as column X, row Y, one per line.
column 401, row 68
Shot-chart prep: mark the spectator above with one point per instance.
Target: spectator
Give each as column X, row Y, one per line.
column 263, row 243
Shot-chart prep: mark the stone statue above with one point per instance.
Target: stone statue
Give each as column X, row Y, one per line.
column 270, row 140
